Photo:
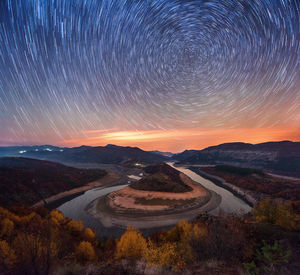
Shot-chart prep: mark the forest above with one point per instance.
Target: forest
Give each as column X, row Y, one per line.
column 265, row 241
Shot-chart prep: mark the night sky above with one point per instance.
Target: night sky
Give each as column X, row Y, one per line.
column 165, row 75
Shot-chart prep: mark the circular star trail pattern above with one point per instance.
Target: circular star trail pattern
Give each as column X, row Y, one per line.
column 72, row 66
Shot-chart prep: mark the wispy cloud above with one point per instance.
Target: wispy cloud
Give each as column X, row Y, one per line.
column 180, row 139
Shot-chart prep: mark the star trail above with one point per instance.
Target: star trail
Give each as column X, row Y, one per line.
column 78, row 72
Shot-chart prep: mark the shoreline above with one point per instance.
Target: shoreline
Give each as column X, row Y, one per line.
column 243, row 194
column 108, row 180
column 148, row 222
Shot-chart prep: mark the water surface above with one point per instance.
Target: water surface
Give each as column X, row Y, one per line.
column 229, row 204
column 75, row 208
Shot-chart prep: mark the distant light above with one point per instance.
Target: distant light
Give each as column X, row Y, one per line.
column 22, row 152
column 48, row 149
column 61, row 150
column 36, row 149
column 134, row 177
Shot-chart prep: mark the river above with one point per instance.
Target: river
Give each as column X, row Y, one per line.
column 75, row 208
column 229, row 204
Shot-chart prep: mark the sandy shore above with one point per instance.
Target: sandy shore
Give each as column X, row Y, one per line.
column 127, row 197
column 109, row 179
column 120, row 208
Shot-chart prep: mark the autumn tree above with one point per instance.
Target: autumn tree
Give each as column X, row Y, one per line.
column 7, row 255
column 75, row 227
column 89, row 235
column 270, row 211
column 131, row 245
column 161, row 254
column 85, row 252
column 7, row 227
column 57, row 216
column 184, row 235
column 38, row 246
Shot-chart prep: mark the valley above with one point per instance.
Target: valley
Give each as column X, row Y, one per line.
column 115, row 198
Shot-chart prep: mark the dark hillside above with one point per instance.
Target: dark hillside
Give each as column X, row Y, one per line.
column 162, row 178
column 28, row 181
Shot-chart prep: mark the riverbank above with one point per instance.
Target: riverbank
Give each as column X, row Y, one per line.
column 110, row 179
column 245, row 195
column 123, row 208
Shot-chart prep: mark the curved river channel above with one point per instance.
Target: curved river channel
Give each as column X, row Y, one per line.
column 75, row 208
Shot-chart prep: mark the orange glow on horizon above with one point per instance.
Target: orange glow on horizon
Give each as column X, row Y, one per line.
column 181, row 139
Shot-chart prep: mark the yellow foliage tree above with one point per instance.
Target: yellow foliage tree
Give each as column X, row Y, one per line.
column 4, row 213
column 85, row 252
column 132, row 245
column 199, row 231
column 7, row 227
column 270, row 211
column 75, row 226
column 7, row 255
column 36, row 250
column 185, row 231
column 57, row 216
column 183, row 234
column 161, row 255
column 89, row 234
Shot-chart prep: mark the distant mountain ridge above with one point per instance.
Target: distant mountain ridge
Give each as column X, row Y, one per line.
column 279, row 157
column 109, row 154
column 165, row 154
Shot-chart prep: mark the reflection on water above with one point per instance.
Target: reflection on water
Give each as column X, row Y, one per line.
column 75, row 208
column 229, row 204
column 134, row 177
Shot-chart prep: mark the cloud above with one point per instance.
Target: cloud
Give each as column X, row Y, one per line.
column 180, row 139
